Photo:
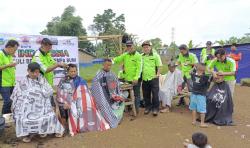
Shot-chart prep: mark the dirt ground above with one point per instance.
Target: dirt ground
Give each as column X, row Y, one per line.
column 168, row 130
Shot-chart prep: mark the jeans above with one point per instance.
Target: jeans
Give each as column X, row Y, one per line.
column 148, row 87
column 137, row 94
column 6, row 93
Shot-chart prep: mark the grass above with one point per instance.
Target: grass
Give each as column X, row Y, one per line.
column 88, row 73
column 245, row 82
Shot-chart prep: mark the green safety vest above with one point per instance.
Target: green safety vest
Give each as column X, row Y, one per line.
column 45, row 60
column 132, row 65
column 184, row 63
column 203, row 56
column 150, row 64
column 8, row 75
column 227, row 66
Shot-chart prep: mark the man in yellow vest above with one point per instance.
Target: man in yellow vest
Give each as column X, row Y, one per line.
column 7, row 74
column 43, row 57
column 207, row 54
column 150, row 78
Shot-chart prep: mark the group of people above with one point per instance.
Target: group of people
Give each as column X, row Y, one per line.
column 77, row 108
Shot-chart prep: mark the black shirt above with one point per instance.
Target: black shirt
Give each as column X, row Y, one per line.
column 200, row 83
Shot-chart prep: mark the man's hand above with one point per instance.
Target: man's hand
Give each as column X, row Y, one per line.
column 134, row 82
column 220, row 73
column 66, row 106
column 62, row 65
column 215, row 75
column 12, row 64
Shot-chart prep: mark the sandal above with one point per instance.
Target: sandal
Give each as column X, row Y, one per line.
column 57, row 135
column 204, row 126
column 165, row 110
column 27, row 139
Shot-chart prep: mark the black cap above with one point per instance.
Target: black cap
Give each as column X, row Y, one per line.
column 46, row 41
column 146, row 43
column 209, row 43
column 183, row 47
column 129, row 42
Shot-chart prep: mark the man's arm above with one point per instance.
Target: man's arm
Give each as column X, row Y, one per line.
column 7, row 66
column 119, row 59
column 210, row 68
column 158, row 65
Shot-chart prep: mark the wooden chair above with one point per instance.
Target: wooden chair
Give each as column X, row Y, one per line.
column 131, row 100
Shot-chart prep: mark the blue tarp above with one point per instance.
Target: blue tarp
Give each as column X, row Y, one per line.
column 244, row 64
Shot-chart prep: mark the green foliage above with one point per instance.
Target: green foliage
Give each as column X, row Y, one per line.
column 173, row 50
column 67, row 25
column 220, row 42
column 109, row 23
column 156, row 43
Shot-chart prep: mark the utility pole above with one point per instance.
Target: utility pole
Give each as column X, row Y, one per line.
column 172, row 34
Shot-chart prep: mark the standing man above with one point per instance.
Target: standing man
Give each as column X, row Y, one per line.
column 43, row 57
column 236, row 55
column 225, row 67
column 186, row 60
column 47, row 64
column 132, row 64
column 207, row 54
column 150, row 79
column 7, row 74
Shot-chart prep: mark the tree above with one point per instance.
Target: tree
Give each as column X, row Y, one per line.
column 220, row 42
column 173, row 51
column 109, row 23
column 67, row 25
column 232, row 40
column 156, row 43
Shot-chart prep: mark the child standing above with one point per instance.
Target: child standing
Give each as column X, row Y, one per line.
column 200, row 84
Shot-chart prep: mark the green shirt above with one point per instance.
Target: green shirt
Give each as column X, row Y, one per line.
column 204, row 54
column 227, row 66
column 45, row 60
column 7, row 75
column 186, row 63
column 132, row 65
column 151, row 63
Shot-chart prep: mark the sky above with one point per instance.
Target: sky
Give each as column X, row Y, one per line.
column 197, row 20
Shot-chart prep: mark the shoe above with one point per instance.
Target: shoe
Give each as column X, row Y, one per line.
column 155, row 113
column 43, row 135
column 57, row 135
column 147, row 111
column 26, row 139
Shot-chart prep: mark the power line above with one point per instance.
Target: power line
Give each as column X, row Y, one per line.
column 150, row 26
column 163, row 12
column 165, row 18
column 154, row 11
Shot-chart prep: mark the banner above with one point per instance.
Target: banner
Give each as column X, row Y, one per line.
column 64, row 49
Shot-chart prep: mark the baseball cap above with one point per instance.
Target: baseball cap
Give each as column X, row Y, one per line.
column 183, row 47
column 146, row 43
column 46, row 41
column 129, row 42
